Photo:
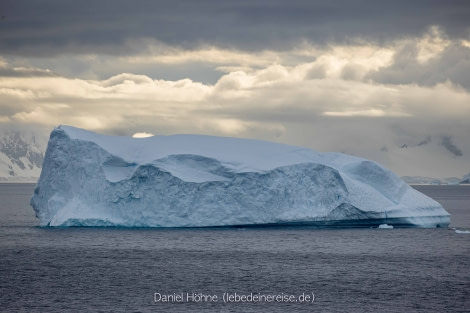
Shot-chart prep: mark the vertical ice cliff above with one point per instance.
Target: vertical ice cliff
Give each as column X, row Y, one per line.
column 196, row 181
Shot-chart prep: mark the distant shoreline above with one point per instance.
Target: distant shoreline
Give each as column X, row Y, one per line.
column 18, row 182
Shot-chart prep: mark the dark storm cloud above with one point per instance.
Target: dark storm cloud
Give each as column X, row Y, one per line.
column 55, row 26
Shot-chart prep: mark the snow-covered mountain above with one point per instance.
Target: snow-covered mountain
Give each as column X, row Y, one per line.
column 465, row 179
column 21, row 156
column 437, row 159
column 420, row 180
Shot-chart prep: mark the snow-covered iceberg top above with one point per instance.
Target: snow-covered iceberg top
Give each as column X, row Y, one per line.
column 89, row 179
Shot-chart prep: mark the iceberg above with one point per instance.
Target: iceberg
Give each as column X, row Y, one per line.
column 88, row 179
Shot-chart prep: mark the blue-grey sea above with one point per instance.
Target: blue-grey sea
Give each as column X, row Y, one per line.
column 233, row 270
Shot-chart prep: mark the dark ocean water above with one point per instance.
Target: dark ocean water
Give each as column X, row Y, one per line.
column 124, row 270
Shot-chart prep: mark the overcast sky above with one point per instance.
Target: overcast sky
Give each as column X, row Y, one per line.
column 360, row 76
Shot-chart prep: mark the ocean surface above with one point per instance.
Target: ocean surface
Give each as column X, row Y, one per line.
column 233, row 270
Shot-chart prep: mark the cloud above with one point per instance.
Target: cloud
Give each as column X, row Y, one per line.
column 267, row 102
column 368, row 113
column 142, row 135
column 52, row 27
column 24, row 72
column 428, row 60
column 354, row 96
column 160, row 53
column 431, row 45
